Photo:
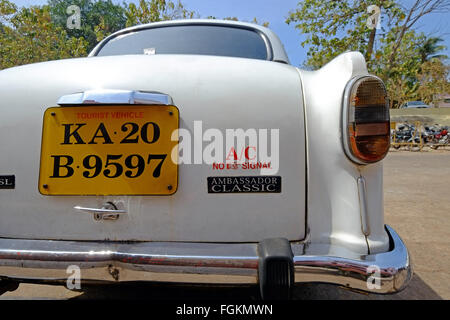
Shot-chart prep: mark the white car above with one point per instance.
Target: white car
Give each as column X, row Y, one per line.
column 414, row 104
column 192, row 151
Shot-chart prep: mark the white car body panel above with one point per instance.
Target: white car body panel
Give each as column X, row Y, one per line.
column 334, row 212
column 265, row 95
column 214, row 90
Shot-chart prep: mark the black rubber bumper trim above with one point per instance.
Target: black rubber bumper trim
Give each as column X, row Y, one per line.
column 275, row 269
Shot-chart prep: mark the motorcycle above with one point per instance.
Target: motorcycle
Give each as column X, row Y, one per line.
column 438, row 137
column 407, row 135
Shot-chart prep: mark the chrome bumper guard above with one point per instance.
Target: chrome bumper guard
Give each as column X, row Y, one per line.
column 48, row 260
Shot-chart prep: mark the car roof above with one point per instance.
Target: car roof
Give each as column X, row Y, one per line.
column 277, row 48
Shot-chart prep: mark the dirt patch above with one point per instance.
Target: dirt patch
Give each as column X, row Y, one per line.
column 417, row 206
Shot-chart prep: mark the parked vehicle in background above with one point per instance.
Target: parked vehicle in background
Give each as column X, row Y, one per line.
column 414, row 104
column 408, row 135
column 415, row 136
column 437, row 136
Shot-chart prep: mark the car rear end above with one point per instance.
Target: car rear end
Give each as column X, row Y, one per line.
column 213, row 166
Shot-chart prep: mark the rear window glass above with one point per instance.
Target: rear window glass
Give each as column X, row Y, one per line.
column 191, row 39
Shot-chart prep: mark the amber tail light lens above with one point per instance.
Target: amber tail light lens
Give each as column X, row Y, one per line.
column 366, row 126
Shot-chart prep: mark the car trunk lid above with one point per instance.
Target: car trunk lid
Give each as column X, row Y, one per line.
column 213, row 95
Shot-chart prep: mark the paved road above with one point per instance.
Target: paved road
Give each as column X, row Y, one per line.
column 417, row 202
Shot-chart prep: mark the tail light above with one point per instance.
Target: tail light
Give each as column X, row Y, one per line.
column 366, row 126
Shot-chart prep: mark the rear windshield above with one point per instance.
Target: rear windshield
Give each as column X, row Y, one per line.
column 191, row 39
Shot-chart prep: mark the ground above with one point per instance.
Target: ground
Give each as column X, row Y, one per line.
column 417, row 202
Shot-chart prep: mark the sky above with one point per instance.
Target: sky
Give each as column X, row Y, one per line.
column 276, row 11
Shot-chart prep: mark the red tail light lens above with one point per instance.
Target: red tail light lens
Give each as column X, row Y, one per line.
column 366, row 126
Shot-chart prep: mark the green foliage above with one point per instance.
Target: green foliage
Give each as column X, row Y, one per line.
column 430, row 49
column 156, row 10
column 6, row 9
column 28, row 35
column 41, row 33
column 333, row 27
column 395, row 52
column 433, row 80
column 400, row 77
column 98, row 18
column 264, row 24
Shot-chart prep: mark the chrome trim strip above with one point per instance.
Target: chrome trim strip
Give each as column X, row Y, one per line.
column 395, row 269
column 114, row 96
column 363, row 205
column 47, row 260
column 97, row 210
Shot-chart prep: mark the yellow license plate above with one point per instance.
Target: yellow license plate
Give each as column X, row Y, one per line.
column 109, row 150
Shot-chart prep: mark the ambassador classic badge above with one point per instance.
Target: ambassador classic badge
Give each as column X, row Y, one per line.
column 245, row 184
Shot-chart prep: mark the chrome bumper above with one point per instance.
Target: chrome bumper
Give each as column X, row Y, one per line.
column 46, row 260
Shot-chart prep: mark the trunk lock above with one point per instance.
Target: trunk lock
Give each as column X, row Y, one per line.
column 108, row 211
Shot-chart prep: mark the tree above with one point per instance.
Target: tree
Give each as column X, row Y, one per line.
column 98, row 18
column 28, row 35
column 430, row 49
column 395, row 52
column 6, row 10
column 156, row 10
column 401, row 79
column 333, row 27
column 41, row 33
column 433, row 79
column 419, row 9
